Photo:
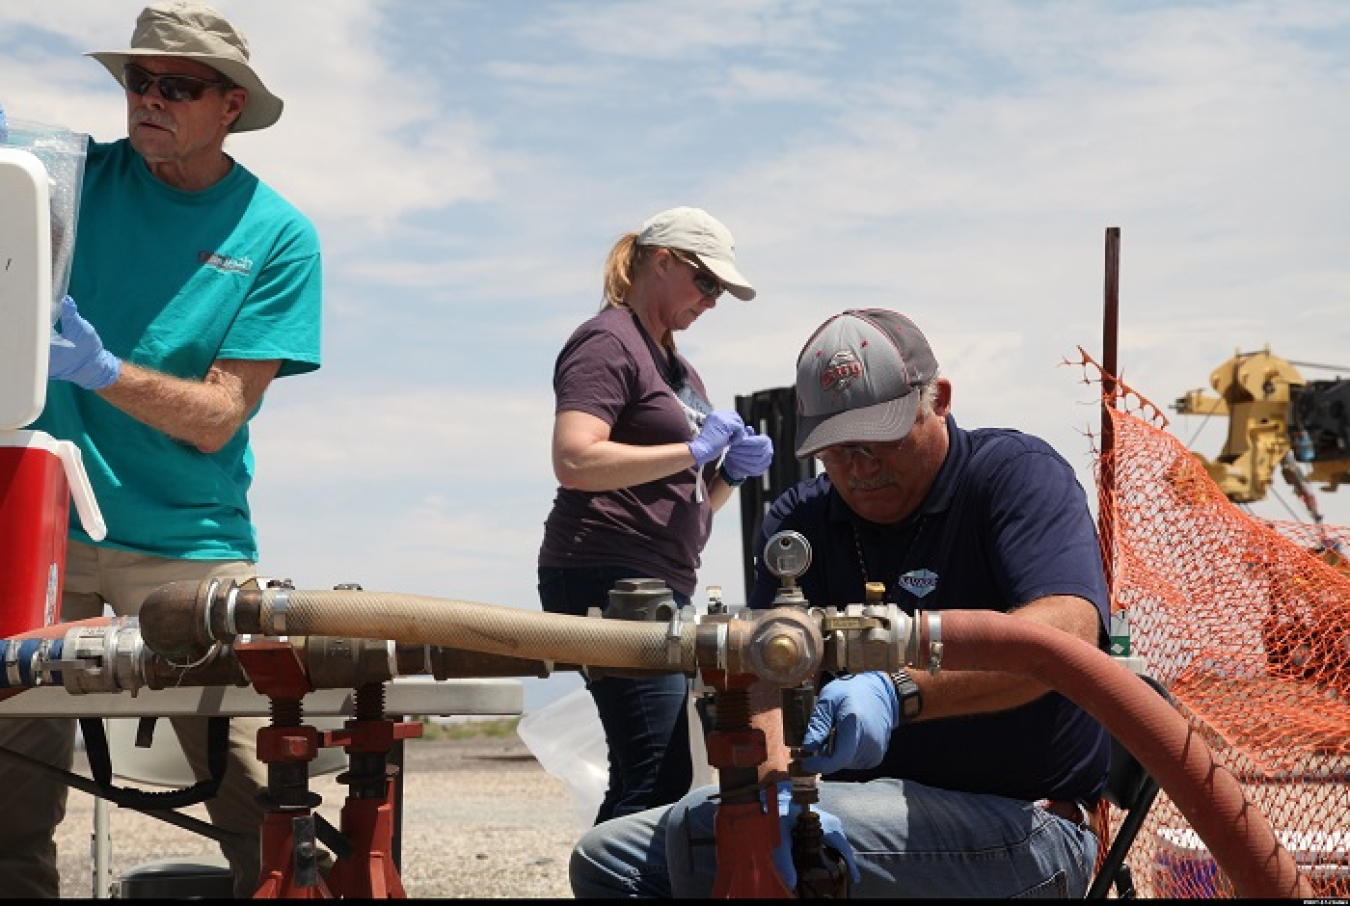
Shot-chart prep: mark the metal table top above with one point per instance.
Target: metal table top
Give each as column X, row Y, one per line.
column 403, row 696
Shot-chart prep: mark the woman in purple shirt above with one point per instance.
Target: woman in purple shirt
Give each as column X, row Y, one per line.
column 643, row 461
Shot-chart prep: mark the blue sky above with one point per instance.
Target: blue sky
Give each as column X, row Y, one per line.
column 469, row 164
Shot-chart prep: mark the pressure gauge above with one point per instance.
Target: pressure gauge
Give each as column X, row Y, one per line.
column 787, row 555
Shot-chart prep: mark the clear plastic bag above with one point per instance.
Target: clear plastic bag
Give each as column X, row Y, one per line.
column 61, row 153
column 568, row 741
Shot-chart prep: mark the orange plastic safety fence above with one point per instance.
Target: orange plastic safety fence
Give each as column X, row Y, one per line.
column 1247, row 622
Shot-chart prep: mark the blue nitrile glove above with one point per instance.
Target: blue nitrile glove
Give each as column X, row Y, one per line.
column 748, row 456
column 81, row 359
column 862, row 710
column 831, row 828
column 719, row 429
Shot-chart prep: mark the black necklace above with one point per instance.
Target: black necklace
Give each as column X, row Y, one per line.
column 675, row 375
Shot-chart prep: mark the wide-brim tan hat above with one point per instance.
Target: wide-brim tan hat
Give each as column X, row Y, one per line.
column 197, row 32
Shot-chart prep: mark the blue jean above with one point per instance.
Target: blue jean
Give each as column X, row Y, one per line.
column 646, row 730
column 909, row 840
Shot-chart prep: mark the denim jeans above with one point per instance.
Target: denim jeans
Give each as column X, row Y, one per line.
column 909, row 840
column 646, row 730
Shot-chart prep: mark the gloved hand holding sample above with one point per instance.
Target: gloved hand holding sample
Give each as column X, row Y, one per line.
column 77, row 354
column 748, row 456
column 720, row 428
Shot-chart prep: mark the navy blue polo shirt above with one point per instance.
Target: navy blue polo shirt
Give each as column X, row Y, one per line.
column 1006, row 522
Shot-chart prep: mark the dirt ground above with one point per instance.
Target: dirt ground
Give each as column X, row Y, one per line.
column 480, row 818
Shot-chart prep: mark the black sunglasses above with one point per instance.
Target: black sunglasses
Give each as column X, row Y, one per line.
column 171, row 87
column 704, row 281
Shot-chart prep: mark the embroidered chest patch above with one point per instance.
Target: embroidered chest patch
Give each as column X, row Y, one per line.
column 919, row 582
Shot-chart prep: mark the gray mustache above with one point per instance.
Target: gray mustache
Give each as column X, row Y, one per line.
column 154, row 119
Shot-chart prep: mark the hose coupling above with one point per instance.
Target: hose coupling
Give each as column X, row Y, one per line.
column 107, row 658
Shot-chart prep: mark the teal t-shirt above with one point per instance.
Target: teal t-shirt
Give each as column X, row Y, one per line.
column 172, row 281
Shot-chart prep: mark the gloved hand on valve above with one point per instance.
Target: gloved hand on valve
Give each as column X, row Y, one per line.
column 747, row 456
column 830, row 826
column 77, row 355
column 862, row 710
column 720, row 428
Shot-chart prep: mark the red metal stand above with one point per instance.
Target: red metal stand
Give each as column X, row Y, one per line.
column 279, row 878
column 289, row 866
column 289, row 847
column 746, row 838
column 369, row 824
column 367, row 819
column 746, row 828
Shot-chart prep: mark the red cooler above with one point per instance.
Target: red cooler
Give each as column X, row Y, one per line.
column 38, row 475
column 34, row 521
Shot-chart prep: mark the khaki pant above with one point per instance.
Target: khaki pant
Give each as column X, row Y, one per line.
column 31, row 805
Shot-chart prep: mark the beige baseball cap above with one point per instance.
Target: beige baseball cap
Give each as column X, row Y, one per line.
column 696, row 231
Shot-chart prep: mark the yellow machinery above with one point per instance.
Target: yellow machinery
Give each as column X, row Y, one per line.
column 1276, row 419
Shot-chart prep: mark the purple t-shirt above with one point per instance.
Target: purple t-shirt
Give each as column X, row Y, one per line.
column 606, row 370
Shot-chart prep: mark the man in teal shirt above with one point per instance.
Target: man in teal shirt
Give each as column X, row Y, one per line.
column 193, row 286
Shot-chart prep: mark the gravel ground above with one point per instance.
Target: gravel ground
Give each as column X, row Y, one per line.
column 481, row 819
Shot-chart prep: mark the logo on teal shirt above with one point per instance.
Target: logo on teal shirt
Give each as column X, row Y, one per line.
column 225, row 263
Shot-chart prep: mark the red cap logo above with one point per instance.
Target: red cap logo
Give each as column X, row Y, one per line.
column 840, row 372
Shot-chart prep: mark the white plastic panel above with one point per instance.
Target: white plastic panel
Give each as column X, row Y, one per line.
column 25, row 286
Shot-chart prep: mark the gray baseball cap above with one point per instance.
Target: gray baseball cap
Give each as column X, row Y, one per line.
column 859, row 379
column 696, row 231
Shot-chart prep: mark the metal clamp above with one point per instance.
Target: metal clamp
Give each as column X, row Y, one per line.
column 12, row 664
column 674, row 637
column 281, row 600
column 934, row 642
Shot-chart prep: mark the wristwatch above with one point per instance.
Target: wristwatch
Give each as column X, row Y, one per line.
column 726, row 476
column 908, row 693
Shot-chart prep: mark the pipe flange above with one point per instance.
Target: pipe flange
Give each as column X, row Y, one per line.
column 231, row 602
column 722, row 646
column 212, row 584
column 129, row 654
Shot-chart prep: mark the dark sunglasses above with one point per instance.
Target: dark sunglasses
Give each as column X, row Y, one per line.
column 171, row 87
column 704, row 281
